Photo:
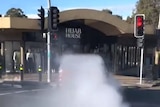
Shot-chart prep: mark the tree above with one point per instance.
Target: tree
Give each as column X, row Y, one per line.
column 129, row 19
column 110, row 12
column 15, row 12
column 119, row 16
column 150, row 8
column 107, row 11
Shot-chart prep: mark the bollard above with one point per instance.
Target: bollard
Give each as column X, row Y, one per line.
column 21, row 71
column 40, row 73
column 0, row 71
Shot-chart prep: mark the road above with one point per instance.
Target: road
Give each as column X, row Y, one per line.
column 45, row 97
column 142, row 97
column 16, row 96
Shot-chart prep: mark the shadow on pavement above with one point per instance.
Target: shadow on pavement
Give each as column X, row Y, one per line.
column 141, row 95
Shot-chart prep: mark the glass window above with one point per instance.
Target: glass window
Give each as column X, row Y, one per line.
column 35, row 56
column 129, row 55
column 12, row 56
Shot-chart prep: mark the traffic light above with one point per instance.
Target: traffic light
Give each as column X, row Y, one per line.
column 139, row 25
column 41, row 14
column 54, row 18
column 54, row 36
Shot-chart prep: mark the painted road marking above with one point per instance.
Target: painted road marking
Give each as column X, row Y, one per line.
column 12, row 85
column 21, row 91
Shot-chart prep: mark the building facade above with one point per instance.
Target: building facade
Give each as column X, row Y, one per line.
column 79, row 31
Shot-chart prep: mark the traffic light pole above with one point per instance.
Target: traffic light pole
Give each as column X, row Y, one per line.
column 141, row 64
column 48, row 46
column 139, row 21
column 140, row 44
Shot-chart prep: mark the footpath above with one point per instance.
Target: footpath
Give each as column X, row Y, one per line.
column 33, row 80
column 29, row 81
column 131, row 81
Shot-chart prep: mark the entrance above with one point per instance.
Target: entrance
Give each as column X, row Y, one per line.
column 35, row 56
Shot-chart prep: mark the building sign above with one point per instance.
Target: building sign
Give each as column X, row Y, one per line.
column 74, row 33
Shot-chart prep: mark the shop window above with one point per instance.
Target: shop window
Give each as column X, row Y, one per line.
column 27, row 36
column 12, row 56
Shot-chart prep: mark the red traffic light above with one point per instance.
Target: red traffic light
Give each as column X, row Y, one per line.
column 139, row 25
column 55, row 36
column 139, row 21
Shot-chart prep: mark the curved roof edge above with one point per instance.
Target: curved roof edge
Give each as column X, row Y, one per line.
column 75, row 14
column 91, row 14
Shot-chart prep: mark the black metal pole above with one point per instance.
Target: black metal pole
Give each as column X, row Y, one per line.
column 40, row 73
column 21, row 71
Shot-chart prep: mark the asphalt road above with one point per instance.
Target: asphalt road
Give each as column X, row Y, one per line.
column 45, row 97
column 142, row 97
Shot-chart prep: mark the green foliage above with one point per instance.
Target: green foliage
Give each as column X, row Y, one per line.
column 15, row 12
column 119, row 16
column 150, row 8
column 110, row 12
column 107, row 11
column 129, row 19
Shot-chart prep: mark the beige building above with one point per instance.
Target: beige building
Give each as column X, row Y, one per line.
column 18, row 35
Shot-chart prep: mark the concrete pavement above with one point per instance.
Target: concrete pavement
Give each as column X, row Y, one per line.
column 25, row 85
column 132, row 81
column 27, row 77
column 33, row 78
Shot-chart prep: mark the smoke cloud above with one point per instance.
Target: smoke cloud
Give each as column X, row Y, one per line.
column 86, row 83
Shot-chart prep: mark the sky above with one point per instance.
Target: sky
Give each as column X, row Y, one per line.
column 29, row 7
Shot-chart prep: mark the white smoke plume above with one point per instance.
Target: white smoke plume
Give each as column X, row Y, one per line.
column 86, row 83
